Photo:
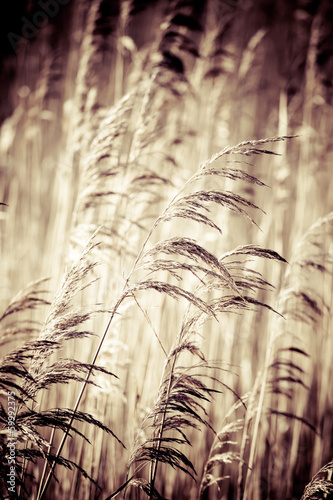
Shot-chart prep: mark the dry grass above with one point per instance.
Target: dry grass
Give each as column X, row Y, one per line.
column 181, row 356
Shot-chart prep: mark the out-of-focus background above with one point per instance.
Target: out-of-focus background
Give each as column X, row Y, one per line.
column 97, row 93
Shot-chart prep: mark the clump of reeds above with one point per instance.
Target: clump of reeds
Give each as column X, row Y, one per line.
column 286, row 428
column 32, row 368
column 224, row 284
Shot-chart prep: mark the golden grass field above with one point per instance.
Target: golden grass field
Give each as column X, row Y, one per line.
column 166, row 238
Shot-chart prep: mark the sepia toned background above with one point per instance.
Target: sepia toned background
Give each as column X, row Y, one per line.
column 107, row 109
